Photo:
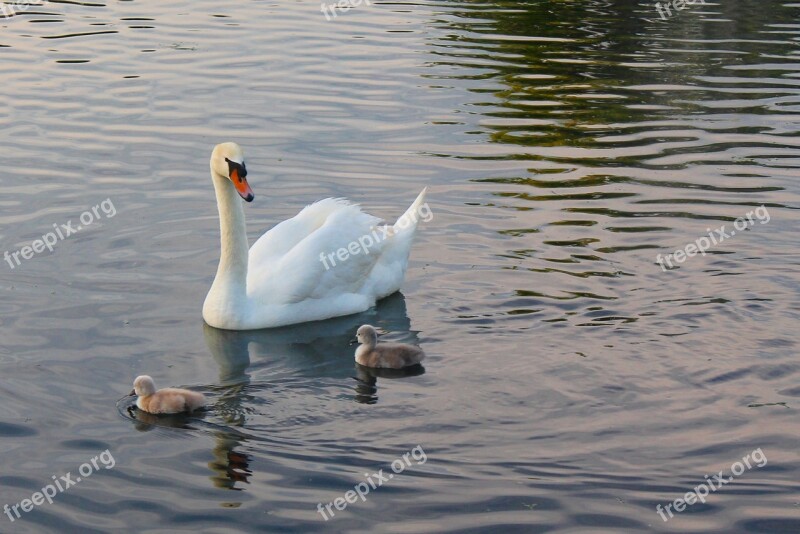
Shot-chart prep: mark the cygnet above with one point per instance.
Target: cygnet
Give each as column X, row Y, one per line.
column 384, row 355
column 167, row 400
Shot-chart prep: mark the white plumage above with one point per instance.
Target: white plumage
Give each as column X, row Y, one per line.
column 294, row 272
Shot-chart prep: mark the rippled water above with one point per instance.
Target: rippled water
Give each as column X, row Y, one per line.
column 571, row 384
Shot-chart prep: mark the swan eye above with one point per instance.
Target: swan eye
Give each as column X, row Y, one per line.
column 240, row 168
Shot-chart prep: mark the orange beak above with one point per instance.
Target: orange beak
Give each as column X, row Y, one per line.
column 241, row 185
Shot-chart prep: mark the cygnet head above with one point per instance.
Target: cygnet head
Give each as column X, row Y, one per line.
column 227, row 161
column 144, row 386
column 367, row 335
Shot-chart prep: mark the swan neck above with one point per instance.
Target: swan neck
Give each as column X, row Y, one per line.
column 233, row 232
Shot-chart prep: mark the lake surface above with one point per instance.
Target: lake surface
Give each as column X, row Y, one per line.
column 574, row 380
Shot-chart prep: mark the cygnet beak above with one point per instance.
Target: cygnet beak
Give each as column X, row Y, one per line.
column 354, row 341
column 132, row 393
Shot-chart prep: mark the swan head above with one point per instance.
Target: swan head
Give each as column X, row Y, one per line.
column 143, row 386
column 367, row 335
column 227, row 160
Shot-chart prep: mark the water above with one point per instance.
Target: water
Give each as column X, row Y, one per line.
column 571, row 384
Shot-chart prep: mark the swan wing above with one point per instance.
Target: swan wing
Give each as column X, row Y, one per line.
column 278, row 241
column 300, row 260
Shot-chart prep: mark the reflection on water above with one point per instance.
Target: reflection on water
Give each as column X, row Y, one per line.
column 367, row 380
column 295, row 351
column 319, row 349
column 571, row 384
column 230, row 466
column 146, row 421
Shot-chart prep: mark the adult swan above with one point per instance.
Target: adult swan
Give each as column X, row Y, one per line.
column 331, row 259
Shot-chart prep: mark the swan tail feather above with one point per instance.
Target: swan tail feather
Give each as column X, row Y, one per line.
column 407, row 223
column 388, row 274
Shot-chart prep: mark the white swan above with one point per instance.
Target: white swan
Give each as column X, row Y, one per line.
column 331, row 259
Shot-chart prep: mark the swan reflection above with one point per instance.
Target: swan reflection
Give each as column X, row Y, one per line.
column 281, row 355
column 319, row 349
